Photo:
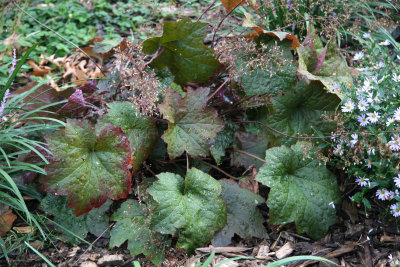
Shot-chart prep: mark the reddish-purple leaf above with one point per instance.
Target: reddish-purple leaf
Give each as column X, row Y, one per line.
column 90, row 165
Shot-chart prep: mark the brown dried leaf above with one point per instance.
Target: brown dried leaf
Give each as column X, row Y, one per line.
column 6, row 221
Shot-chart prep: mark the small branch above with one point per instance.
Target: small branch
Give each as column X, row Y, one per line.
column 220, row 170
column 159, row 51
column 91, row 245
column 304, row 20
column 59, row 35
column 208, row 8
column 315, row 137
column 219, row 88
column 148, row 168
column 250, row 155
column 222, row 20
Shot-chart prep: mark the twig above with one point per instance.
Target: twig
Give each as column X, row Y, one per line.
column 59, row 35
column 303, row 20
column 187, row 161
column 315, row 137
column 218, row 89
column 91, row 245
column 159, row 51
column 148, row 168
column 208, row 8
column 222, row 20
column 220, row 170
column 250, row 155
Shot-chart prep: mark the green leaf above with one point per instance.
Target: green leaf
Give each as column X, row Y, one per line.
column 89, row 165
column 278, row 76
column 244, row 219
column 301, row 112
column 326, row 65
column 193, row 207
column 191, row 125
column 183, row 52
column 301, row 189
column 252, row 144
column 141, row 131
column 106, row 45
column 224, row 140
column 132, row 225
column 95, row 222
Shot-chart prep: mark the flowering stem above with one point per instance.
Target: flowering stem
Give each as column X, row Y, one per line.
column 222, row 20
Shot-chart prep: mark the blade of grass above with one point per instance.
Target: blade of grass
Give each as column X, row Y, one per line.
column 40, row 254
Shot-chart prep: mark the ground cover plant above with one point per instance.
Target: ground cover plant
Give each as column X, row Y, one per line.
column 177, row 144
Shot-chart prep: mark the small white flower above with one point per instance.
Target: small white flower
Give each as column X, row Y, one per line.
column 363, row 120
column 382, row 194
column 397, row 181
column 362, row 105
column 338, row 150
column 391, row 195
column 366, row 35
column 398, row 57
column 354, row 140
column 395, row 210
column 369, row 166
column 371, row 151
column 336, row 87
column 367, row 86
column 358, row 55
column 348, row 106
column 394, row 143
column 380, row 65
column 396, row 78
column 386, row 42
column 389, row 122
column 362, row 181
column 396, row 115
column 332, row 204
column 373, row 117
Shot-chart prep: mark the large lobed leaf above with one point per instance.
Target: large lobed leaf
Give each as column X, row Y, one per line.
column 325, row 64
column 95, row 222
column 191, row 206
column 181, row 49
column 301, row 112
column 279, row 75
column 141, row 131
column 133, row 225
column 191, row 125
column 302, row 190
column 89, row 165
column 244, row 219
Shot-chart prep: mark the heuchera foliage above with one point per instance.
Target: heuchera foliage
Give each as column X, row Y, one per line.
column 202, row 112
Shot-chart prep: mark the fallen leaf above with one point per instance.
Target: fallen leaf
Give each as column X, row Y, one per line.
column 285, row 250
column 6, row 221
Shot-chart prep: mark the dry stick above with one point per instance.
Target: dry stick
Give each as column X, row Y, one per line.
column 250, row 155
column 222, row 20
column 314, row 137
column 91, row 245
column 208, row 8
column 159, row 51
column 304, row 20
column 220, row 170
column 218, row 89
column 148, row 168
column 59, row 35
